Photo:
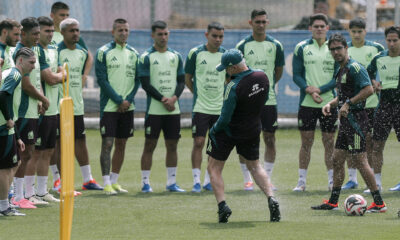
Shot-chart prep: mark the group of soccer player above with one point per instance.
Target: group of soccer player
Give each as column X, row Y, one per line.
column 31, row 89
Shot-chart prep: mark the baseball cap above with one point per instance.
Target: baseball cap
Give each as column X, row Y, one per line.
column 229, row 58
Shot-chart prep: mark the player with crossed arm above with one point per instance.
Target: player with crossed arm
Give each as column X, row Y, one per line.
column 207, row 86
column 116, row 71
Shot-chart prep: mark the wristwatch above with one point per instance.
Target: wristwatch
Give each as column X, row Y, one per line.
column 349, row 102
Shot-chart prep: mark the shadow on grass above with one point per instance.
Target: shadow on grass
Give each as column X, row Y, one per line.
column 243, row 192
column 233, row 225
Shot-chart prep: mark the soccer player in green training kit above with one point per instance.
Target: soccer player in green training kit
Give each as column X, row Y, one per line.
column 51, row 77
column 162, row 77
column 262, row 51
column 363, row 51
column 28, row 103
column 207, row 86
column 386, row 64
column 9, row 159
column 313, row 67
column 116, row 70
column 353, row 87
column 10, row 31
column 70, row 52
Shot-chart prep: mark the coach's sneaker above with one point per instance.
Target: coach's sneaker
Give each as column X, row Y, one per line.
column 118, row 188
column 350, row 185
column 223, row 214
column 207, row 187
column 11, row 212
column 48, row 198
column 37, row 201
column 374, row 208
column 146, row 188
column 109, row 190
column 174, row 188
column 326, row 205
column 91, row 185
column 395, row 188
column 23, row 203
column 196, row 188
column 248, row 186
column 275, row 214
column 301, row 187
column 56, row 185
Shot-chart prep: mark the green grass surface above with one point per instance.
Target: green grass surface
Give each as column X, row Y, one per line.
column 163, row 215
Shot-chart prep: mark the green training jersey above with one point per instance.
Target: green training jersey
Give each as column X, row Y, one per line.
column 75, row 59
column 58, row 38
column 116, row 72
column 312, row 66
column 208, row 83
column 364, row 56
column 26, row 106
column 11, row 79
column 6, row 53
column 265, row 55
column 48, row 58
column 163, row 70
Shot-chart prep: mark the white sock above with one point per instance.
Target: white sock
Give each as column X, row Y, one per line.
column 4, row 205
column 196, row 172
column 330, row 176
column 86, row 173
column 114, row 177
column 41, row 185
column 353, row 175
column 206, row 178
column 378, row 179
column 29, row 186
column 146, row 177
column 18, row 189
column 303, row 175
column 171, row 175
column 106, row 180
column 55, row 172
column 268, row 168
column 246, row 173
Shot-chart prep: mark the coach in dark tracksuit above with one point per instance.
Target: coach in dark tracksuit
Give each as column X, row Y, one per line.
column 239, row 125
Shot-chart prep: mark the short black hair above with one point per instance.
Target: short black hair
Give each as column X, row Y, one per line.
column 29, row 23
column 158, row 24
column 119, row 21
column 215, row 25
column 8, row 24
column 392, row 29
column 59, row 6
column 318, row 16
column 45, row 21
column 357, row 22
column 24, row 52
column 258, row 12
column 337, row 37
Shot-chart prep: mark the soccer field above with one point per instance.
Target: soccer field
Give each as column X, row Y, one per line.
column 163, row 215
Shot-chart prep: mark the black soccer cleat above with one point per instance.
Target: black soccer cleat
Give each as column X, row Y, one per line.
column 223, row 214
column 275, row 214
column 326, row 205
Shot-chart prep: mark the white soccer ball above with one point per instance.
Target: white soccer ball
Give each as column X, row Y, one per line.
column 355, row 205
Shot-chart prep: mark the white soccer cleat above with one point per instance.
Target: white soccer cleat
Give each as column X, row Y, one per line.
column 48, row 198
column 37, row 201
column 301, row 187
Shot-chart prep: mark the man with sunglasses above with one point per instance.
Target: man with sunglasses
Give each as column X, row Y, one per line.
column 262, row 51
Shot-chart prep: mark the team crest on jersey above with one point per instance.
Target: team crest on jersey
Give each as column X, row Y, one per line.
column 30, row 135
column 172, row 62
column 148, row 130
column 368, row 57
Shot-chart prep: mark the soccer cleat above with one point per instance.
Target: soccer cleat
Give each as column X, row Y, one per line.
column 367, row 191
column 48, row 198
column 56, row 185
column 350, row 185
column 224, row 214
column 301, row 187
column 91, row 185
column 37, row 201
column 118, row 188
column 146, row 188
column 207, row 187
column 23, row 203
column 395, row 188
column 248, row 186
column 275, row 214
column 326, row 205
column 374, row 208
column 174, row 188
column 196, row 188
column 109, row 190
column 11, row 212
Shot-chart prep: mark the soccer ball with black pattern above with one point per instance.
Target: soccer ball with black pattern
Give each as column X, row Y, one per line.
column 355, row 205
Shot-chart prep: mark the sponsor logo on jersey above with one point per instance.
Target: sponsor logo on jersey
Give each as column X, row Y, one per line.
column 383, row 67
column 155, row 62
column 65, row 60
column 114, row 59
column 204, row 62
column 309, row 53
column 250, row 53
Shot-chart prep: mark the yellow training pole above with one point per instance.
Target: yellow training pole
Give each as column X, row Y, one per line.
column 67, row 142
